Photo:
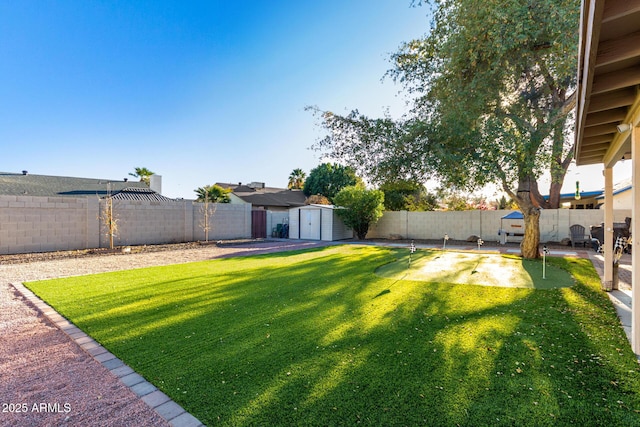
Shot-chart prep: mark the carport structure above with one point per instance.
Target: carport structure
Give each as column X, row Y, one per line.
column 608, row 113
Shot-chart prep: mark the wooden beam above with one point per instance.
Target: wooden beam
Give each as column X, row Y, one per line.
column 616, row 80
column 608, row 116
column 616, row 50
column 599, row 130
column 596, row 140
column 590, row 23
column 590, row 158
column 611, row 100
column 615, row 9
column 595, row 148
column 620, row 140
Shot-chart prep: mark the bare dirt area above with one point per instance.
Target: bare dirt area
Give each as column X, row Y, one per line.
column 46, row 379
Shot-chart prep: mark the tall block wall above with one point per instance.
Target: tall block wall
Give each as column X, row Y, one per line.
column 554, row 224
column 145, row 222
column 226, row 221
column 43, row 224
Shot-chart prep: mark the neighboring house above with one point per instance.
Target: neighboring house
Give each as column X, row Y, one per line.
column 595, row 199
column 587, row 200
column 621, row 195
column 26, row 184
column 266, row 198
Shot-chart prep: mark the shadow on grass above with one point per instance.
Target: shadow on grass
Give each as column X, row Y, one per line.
column 317, row 338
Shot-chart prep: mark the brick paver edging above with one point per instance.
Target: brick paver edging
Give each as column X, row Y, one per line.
column 175, row 415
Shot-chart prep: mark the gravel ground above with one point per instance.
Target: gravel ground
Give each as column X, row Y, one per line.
column 47, row 380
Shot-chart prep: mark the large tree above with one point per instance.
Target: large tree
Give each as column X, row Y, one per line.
column 403, row 195
column 328, row 179
column 492, row 86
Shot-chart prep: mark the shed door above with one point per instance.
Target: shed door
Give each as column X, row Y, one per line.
column 310, row 224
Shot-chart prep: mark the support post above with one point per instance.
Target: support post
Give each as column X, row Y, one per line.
column 635, row 230
column 608, row 228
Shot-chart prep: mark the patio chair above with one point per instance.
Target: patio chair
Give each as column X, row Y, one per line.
column 578, row 236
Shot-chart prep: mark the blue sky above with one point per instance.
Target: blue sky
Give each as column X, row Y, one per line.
column 197, row 91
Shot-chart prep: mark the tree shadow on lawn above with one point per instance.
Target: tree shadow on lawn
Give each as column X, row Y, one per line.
column 318, row 339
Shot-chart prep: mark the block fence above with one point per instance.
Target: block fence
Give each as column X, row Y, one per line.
column 43, row 224
column 554, row 224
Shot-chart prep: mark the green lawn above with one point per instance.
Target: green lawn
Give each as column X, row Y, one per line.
column 317, row 338
column 473, row 268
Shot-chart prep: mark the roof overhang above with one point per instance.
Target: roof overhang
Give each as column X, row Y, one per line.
column 608, row 80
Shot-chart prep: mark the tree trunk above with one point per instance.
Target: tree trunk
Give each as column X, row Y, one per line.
column 531, row 241
column 554, row 195
column 527, row 192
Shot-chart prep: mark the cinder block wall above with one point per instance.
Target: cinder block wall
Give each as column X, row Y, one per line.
column 145, row 222
column 226, row 221
column 554, row 224
column 42, row 224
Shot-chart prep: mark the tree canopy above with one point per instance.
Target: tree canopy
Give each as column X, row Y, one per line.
column 213, row 194
column 406, row 195
column 328, row 179
column 296, row 179
column 492, row 86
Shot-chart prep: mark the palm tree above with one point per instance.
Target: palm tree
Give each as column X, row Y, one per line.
column 213, row 194
column 143, row 173
column 296, row 179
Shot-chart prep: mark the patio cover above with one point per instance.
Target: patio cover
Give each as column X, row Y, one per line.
column 608, row 111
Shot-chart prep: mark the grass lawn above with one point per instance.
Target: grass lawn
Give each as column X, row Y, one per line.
column 473, row 268
column 318, row 338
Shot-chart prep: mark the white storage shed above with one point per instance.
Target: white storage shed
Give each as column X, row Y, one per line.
column 317, row 222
